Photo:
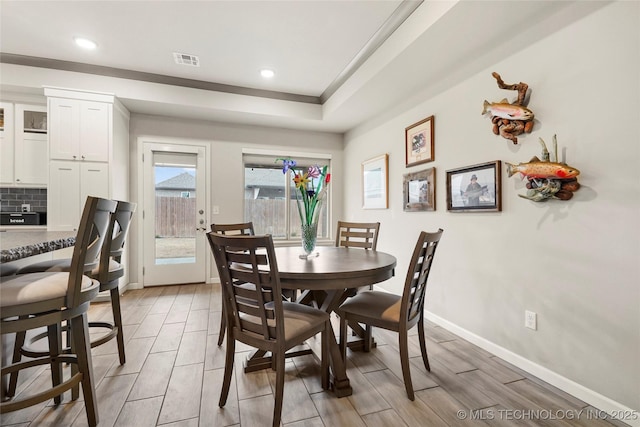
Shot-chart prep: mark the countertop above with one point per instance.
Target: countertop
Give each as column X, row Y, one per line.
column 15, row 245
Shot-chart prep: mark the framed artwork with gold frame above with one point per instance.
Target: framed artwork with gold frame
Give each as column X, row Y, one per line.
column 418, row 139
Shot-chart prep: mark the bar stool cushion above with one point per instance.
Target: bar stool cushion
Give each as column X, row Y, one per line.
column 63, row 265
column 39, row 288
column 7, row 270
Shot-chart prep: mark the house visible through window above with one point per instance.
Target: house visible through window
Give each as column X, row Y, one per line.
column 270, row 196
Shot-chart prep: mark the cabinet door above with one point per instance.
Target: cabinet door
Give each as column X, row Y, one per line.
column 94, row 181
column 6, row 143
column 63, row 205
column 31, row 155
column 64, row 129
column 95, row 131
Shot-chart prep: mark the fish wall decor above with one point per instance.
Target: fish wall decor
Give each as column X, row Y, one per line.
column 547, row 179
column 510, row 119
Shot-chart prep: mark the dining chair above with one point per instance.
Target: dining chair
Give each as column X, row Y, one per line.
column 357, row 234
column 105, row 266
column 36, row 300
column 257, row 315
column 242, row 229
column 398, row 313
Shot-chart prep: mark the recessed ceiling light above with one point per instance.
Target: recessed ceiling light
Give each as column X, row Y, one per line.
column 267, row 73
column 85, row 43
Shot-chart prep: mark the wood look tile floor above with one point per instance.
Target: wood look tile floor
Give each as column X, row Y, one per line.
column 174, row 368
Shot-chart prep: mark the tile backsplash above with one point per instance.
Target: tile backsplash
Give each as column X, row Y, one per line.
column 12, row 199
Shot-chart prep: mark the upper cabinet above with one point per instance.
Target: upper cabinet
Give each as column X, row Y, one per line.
column 31, row 160
column 80, row 129
column 6, row 143
column 88, row 152
column 23, row 144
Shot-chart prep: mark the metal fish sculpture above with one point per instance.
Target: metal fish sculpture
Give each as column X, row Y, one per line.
column 539, row 169
column 507, row 111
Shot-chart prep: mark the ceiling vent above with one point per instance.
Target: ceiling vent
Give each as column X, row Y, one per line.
column 186, row 59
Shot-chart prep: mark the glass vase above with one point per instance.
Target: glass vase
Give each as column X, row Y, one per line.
column 309, row 235
column 309, row 228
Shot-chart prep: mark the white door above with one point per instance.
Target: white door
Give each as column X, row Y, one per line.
column 174, row 218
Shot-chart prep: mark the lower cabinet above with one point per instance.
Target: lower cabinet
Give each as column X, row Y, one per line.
column 70, row 182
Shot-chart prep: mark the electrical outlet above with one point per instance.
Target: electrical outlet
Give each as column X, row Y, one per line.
column 26, row 207
column 531, row 320
column 216, row 210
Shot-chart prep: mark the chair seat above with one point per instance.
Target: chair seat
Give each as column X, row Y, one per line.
column 298, row 319
column 47, row 266
column 62, row 265
column 375, row 305
column 7, row 270
column 48, row 290
column 116, row 270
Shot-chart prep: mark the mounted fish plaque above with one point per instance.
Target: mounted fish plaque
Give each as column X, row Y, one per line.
column 510, row 119
column 547, row 179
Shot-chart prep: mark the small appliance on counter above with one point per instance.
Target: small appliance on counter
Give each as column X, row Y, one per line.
column 23, row 218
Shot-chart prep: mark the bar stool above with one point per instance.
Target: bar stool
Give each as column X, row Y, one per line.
column 30, row 301
column 108, row 272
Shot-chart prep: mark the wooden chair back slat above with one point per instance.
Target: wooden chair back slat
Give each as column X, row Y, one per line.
column 416, row 283
column 250, row 281
column 357, row 234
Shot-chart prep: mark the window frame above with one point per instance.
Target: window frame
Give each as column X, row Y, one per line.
column 267, row 159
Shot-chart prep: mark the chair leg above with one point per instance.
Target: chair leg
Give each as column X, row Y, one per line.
column 223, row 327
column 324, row 360
column 17, row 356
column 423, row 344
column 404, row 360
column 277, row 407
column 228, row 370
column 343, row 336
column 75, row 367
column 82, row 344
column 117, row 322
column 55, row 348
column 367, row 338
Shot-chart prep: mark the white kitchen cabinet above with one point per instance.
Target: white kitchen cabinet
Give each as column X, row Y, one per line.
column 80, row 129
column 88, row 153
column 31, row 155
column 70, row 183
column 23, row 145
column 6, row 143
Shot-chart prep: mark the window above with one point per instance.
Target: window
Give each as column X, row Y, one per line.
column 270, row 195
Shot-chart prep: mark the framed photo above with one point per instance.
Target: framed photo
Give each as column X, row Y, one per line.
column 375, row 183
column 475, row 188
column 420, row 191
column 418, row 139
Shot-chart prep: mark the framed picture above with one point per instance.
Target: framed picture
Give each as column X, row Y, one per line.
column 475, row 188
column 375, row 183
column 418, row 139
column 419, row 192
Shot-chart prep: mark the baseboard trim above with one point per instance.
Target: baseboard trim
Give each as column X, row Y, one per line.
column 593, row 398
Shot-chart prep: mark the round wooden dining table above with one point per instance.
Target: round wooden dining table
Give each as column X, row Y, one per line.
column 333, row 268
column 325, row 281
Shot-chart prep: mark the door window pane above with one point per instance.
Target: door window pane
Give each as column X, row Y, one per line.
column 175, row 225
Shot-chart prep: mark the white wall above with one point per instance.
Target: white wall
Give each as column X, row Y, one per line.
column 575, row 263
column 227, row 173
